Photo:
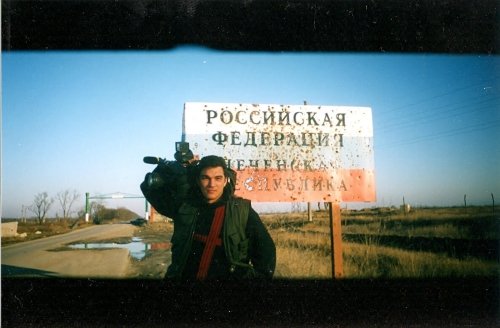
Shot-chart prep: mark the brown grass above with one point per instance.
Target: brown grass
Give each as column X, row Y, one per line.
column 50, row 228
column 304, row 249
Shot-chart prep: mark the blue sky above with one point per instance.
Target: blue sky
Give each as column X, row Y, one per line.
column 84, row 120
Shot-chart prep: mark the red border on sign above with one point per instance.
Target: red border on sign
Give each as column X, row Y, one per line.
column 341, row 185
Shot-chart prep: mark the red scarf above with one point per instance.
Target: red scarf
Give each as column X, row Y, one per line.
column 210, row 241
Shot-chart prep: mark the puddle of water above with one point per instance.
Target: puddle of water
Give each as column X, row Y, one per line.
column 137, row 247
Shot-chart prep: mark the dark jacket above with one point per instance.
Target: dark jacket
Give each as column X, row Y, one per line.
column 247, row 249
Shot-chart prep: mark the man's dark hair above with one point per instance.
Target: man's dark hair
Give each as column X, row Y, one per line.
column 212, row 161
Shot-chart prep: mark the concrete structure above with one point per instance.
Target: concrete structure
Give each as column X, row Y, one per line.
column 9, row 229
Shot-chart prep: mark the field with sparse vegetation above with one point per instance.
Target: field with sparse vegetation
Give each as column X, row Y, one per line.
column 376, row 243
column 387, row 243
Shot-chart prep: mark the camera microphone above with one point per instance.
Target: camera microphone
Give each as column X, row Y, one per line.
column 151, row 160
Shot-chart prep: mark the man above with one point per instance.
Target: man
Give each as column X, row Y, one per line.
column 216, row 234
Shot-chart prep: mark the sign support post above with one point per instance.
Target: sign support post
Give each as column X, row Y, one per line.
column 336, row 240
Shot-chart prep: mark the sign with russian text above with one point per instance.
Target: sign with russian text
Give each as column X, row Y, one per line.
column 292, row 153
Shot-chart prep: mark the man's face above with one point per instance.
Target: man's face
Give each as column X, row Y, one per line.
column 212, row 182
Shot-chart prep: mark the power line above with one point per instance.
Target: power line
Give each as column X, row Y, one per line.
column 441, row 95
column 463, row 109
column 469, row 129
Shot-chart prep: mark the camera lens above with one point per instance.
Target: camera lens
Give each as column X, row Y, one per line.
column 154, row 180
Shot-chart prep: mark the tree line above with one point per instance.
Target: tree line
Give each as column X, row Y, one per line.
column 66, row 199
column 42, row 203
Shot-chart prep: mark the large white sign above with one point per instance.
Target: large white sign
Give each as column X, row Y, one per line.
column 288, row 152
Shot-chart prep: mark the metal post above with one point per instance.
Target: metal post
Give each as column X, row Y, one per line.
column 86, row 207
column 309, row 212
column 336, row 240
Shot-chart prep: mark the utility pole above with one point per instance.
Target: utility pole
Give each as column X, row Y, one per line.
column 493, row 200
column 23, row 213
column 404, row 206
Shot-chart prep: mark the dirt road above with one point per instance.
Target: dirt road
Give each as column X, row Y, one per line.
column 51, row 257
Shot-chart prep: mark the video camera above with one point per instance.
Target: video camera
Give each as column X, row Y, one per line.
column 183, row 157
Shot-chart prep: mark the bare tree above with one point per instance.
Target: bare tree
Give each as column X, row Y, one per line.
column 66, row 199
column 41, row 205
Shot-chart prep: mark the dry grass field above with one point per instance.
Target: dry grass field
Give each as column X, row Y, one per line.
column 33, row 230
column 386, row 243
column 377, row 243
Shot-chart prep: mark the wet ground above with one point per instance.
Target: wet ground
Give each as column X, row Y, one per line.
column 150, row 256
